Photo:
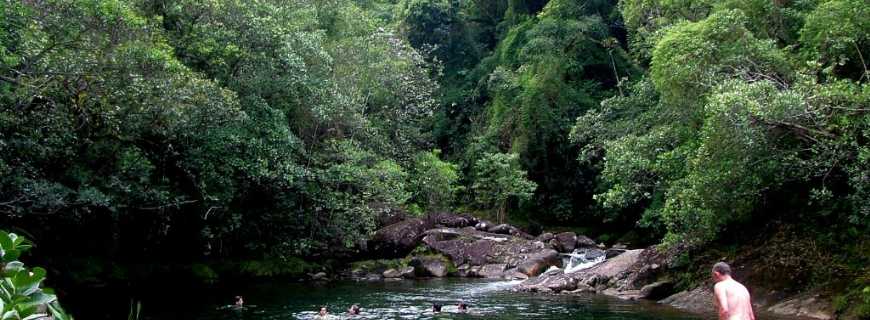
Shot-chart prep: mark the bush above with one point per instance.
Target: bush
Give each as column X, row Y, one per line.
column 21, row 291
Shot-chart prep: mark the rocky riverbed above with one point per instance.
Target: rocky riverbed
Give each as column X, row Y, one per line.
column 456, row 245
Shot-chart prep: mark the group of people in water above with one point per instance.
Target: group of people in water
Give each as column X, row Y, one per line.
column 355, row 309
column 731, row 298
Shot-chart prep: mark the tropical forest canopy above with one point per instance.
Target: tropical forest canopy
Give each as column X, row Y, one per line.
column 188, row 129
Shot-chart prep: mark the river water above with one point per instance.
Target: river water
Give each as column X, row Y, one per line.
column 408, row 299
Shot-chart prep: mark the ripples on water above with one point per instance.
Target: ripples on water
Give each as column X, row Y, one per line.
column 413, row 300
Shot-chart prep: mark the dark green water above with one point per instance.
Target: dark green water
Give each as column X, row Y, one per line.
column 410, row 300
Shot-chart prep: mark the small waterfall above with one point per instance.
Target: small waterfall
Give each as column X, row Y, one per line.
column 583, row 259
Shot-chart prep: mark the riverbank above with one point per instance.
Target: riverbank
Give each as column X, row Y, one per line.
column 459, row 245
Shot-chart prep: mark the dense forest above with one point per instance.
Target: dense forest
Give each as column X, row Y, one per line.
column 277, row 134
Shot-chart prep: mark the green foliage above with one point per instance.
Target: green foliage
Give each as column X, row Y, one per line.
column 203, row 273
column 497, row 178
column 436, row 181
column 835, row 36
column 730, row 118
column 279, row 125
column 276, row 267
column 22, row 296
column 692, row 57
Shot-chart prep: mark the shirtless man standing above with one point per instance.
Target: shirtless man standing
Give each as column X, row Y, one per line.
column 732, row 298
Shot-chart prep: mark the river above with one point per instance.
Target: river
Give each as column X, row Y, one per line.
column 405, row 299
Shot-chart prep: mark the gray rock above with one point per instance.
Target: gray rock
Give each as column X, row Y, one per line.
column 513, row 274
column 392, row 273
column 407, row 272
column 697, row 300
column 545, row 237
column 612, row 252
column 585, row 242
column 539, row 262
column 373, row 277
column 430, row 266
column 657, row 290
column 594, row 253
column 493, row 270
column 565, row 241
column 483, row 225
column 804, row 305
column 451, row 220
column 398, row 239
column 501, row 229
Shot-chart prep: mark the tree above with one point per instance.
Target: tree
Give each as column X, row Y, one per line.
column 497, row 178
column 436, row 182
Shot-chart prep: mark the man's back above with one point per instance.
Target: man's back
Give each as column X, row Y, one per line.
column 734, row 300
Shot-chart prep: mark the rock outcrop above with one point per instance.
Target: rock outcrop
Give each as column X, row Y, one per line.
column 398, row 239
column 539, row 262
column 431, row 266
column 490, row 251
column 600, row 277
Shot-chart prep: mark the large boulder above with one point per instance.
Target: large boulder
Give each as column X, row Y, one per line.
column 545, row 237
column 601, row 276
column 451, row 220
column 477, row 248
column 431, row 266
column 696, row 300
column 585, row 242
column 539, row 262
column 509, row 230
column 657, row 290
column 398, row 239
column 565, row 241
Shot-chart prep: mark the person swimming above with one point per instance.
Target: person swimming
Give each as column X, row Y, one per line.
column 462, row 307
column 239, row 302
column 436, row 308
column 323, row 314
column 353, row 310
